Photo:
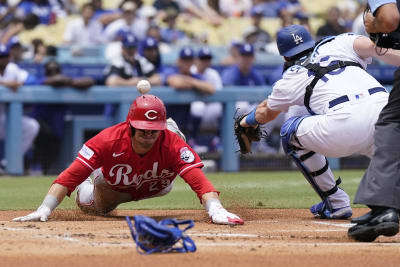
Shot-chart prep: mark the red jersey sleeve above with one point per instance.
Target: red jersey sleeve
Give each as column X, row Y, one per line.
column 90, row 154
column 73, row 176
column 183, row 157
column 199, row 183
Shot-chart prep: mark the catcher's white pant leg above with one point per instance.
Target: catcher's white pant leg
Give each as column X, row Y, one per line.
column 343, row 132
column 339, row 133
column 98, row 197
column 325, row 181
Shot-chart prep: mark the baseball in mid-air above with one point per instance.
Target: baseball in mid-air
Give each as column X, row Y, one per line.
column 143, row 86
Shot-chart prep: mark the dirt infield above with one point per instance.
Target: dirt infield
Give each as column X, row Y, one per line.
column 268, row 238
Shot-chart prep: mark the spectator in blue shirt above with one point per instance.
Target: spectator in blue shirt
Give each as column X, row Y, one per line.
column 243, row 72
column 182, row 79
column 170, row 34
column 150, row 50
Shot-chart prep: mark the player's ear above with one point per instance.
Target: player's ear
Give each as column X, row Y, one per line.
column 132, row 130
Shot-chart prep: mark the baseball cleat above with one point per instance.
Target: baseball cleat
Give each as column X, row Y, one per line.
column 320, row 211
column 381, row 221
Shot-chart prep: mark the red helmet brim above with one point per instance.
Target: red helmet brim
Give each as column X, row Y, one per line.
column 148, row 125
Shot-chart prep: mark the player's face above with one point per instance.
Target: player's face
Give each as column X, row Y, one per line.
column 145, row 139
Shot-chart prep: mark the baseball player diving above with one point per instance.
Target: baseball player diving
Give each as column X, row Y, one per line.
column 343, row 100
column 133, row 160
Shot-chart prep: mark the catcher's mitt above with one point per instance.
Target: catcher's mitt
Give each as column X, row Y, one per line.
column 151, row 236
column 246, row 135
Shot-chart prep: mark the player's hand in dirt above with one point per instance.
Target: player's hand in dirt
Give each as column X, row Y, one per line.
column 222, row 216
column 41, row 214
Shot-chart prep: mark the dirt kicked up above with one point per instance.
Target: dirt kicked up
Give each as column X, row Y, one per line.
column 269, row 237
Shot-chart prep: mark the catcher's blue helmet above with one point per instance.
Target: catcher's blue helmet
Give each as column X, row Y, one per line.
column 294, row 39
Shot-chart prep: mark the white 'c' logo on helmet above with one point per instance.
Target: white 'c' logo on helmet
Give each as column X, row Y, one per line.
column 147, row 114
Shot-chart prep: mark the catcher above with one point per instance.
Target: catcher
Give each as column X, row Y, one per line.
column 133, row 160
column 343, row 100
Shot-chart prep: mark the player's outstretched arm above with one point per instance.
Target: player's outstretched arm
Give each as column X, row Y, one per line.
column 365, row 48
column 217, row 213
column 53, row 198
column 262, row 114
column 206, row 192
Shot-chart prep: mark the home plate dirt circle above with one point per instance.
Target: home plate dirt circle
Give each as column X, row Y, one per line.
column 269, row 237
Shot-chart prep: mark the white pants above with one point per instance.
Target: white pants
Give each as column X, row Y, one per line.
column 99, row 198
column 345, row 130
column 30, row 129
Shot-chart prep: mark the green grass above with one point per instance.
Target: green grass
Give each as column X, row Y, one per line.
column 244, row 189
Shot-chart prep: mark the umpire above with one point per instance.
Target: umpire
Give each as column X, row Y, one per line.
column 380, row 187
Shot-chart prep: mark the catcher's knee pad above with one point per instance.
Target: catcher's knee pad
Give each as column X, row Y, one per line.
column 288, row 131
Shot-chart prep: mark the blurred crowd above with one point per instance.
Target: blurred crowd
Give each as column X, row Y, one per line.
column 135, row 35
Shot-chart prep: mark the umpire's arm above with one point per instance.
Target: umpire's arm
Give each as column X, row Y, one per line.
column 263, row 114
column 365, row 48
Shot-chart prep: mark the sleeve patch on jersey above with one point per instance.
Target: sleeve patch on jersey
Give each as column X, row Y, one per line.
column 186, row 155
column 86, row 152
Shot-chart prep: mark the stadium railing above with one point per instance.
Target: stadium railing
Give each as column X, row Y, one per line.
column 122, row 97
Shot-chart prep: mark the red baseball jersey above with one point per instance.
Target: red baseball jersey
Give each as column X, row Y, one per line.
column 141, row 176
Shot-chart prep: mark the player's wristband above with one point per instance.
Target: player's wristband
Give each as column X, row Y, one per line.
column 212, row 206
column 251, row 118
column 50, row 202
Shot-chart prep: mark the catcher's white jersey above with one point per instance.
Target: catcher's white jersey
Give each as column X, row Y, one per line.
column 350, row 81
column 346, row 128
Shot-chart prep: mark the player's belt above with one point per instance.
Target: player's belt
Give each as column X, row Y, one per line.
column 345, row 98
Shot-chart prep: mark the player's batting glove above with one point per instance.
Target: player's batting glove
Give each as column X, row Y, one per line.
column 222, row 216
column 41, row 214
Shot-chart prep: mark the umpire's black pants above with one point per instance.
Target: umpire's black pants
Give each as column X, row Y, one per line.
column 380, row 185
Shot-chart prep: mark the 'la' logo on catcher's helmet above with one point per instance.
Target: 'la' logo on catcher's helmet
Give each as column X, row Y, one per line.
column 147, row 112
column 293, row 40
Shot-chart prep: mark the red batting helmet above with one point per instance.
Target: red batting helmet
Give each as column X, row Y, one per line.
column 147, row 112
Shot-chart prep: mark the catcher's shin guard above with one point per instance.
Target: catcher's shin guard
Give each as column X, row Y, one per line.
column 288, row 132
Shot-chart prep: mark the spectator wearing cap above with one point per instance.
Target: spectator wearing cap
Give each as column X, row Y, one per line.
column 233, row 55
column 255, row 34
column 16, row 49
column 129, row 68
column 243, row 72
column 13, row 77
column 129, row 21
column 206, row 114
column 84, row 31
column 170, row 34
column 149, row 50
column 183, row 79
column 113, row 48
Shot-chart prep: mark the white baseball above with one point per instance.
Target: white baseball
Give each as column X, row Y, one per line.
column 143, row 86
